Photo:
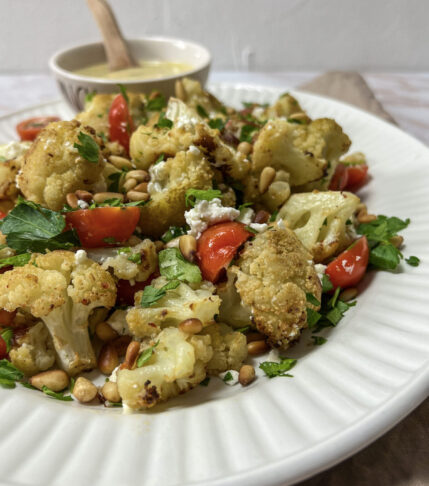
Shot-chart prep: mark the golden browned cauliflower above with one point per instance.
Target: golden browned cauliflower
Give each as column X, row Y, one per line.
column 191, row 92
column 169, row 182
column 285, row 106
column 274, row 273
column 33, row 351
column 61, row 290
column 176, row 366
column 52, row 167
column 229, row 348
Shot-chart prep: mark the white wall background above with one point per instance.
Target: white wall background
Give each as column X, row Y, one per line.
column 242, row 34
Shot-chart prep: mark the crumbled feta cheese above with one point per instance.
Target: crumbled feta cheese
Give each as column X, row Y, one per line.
column 281, row 224
column 82, row 204
column 274, row 356
column 114, row 376
column 80, row 256
column 258, row 112
column 13, row 149
column 246, row 215
column 234, row 379
column 100, row 255
column 194, row 150
column 259, row 227
column 156, row 174
column 206, row 213
column 320, row 269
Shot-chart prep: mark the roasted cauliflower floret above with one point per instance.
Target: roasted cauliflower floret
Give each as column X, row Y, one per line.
column 321, row 220
column 232, row 309
column 168, row 185
column 34, row 351
column 285, row 106
column 52, row 167
column 8, row 188
column 177, row 305
column 229, row 349
column 176, row 366
column 62, row 293
column 192, row 93
column 273, row 276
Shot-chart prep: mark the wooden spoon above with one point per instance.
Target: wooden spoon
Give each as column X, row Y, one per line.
column 117, row 51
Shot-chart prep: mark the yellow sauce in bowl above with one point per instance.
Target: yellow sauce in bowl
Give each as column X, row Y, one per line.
column 145, row 70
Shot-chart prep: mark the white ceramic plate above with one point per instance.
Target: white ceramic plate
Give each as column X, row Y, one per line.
column 373, row 370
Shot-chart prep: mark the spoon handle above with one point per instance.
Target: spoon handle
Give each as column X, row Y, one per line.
column 117, row 52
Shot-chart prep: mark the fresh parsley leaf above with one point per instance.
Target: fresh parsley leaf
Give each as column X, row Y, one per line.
column 173, row 266
column 173, row 232
column 318, row 340
column 227, row 377
column 7, row 335
column 15, row 261
column 312, row 299
column 244, row 206
column 194, row 195
column 164, row 122
column 313, row 317
column 9, row 374
column 206, row 381
column 202, row 112
column 161, row 158
column 151, row 294
column 146, row 355
column 243, row 330
column 326, row 283
column 217, row 123
column 88, row 148
column 296, row 121
column 251, row 230
column 115, row 180
column 56, row 395
column 90, row 96
column 72, row 382
column 5, row 383
column 123, row 92
column 325, row 222
column 28, row 385
column 102, row 135
column 333, row 300
column 110, row 240
column 274, row 216
column 247, row 132
column 413, row 261
column 132, row 257
column 29, row 227
column 272, row 369
column 385, row 256
column 157, row 103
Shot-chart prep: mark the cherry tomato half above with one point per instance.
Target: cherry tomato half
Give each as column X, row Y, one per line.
column 3, row 348
column 29, row 129
column 356, row 175
column 340, row 178
column 6, row 317
column 217, row 246
column 104, row 226
column 121, row 124
column 350, row 265
column 126, row 291
column 2, row 215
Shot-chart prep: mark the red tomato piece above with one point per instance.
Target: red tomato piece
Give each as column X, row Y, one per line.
column 6, row 317
column 3, row 348
column 217, row 246
column 340, row 178
column 121, row 124
column 356, row 175
column 96, row 227
column 29, row 129
column 349, row 267
column 2, row 215
column 126, row 291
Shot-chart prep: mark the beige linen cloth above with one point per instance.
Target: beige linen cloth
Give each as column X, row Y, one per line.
column 400, row 457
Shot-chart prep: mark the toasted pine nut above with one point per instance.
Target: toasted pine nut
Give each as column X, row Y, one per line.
column 257, row 347
column 129, row 184
column 120, row 162
column 179, row 90
column 348, row 294
column 84, row 390
column 191, row 326
column 188, row 247
column 174, row 243
column 83, row 195
column 300, row 116
column 110, row 392
column 266, row 178
column 100, row 197
column 397, row 241
column 262, row 216
column 137, row 196
column 246, row 375
column 254, row 336
column 138, row 175
column 71, row 199
column 159, row 245
column 104, row 332
column 121, row 344
column 154, row 95
column 364, row 217
column 361, row 206
column 56, row 380
column 142, row 187
column 108, row 359
column 245, row 148
column 131, row 355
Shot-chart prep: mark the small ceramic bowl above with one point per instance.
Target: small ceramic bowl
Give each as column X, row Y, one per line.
column 74, row 87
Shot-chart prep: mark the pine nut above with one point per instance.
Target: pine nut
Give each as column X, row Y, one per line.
column 191, row 326
column 245, row 148
column 188, row 247
column 121, row 344
column 364, row 217
column 262, row 217
column 56, row 380
column 266, row 178
column 131, row 355
column 348, row 294
column 137, row 196
column 397, row 241
column 108, row 359
column 120, row 162
column 179, row 90
column 254, row 336
column 83, row 195
column 246, row 375
column 154, row 95
column 100, row 197
column 142, row 187
column 84, row 390
column 138, row 175
column 104, row 332
column 129, row 184
column 257, row 347
column 301, row 117
column 71, row 199
column 174, row 243
column 110, row 392
column 159, row 245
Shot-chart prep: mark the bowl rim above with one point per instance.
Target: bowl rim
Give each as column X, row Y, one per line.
column 56, row 69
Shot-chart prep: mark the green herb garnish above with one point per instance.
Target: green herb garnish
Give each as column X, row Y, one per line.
column 157, row 103
column 272, row 369
column 194, row 195
column 205, row 382
column 146, row 355
column 15, row 261
column 9, row 374
column 132, row 257
column 217, row 123
column 312, row 299
column 318, row 340
column 173, row 232
column 160, row 158
column 56, row 395
column 413, row 261
column 151, row 294
column 88, row 148
column 247, row 133
column 7, row 335
column 202, row 112
column 173, row 266
column 227, row 377
column 123, row 92
column 89, row 96
column 164, row 122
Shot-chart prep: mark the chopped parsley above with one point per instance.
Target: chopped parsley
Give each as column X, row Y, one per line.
column 89, row 96
column 312, row 299
column 247, row 133
column 202, row 112
column 115, row 180
column 9, row 374
column 413, row 261
column 164, row 122
column 194, row 195
column 173, row 232
column 272, row 369
column 110, row 240
column 274, row 216
column 88, row 148
column 7, row 335
column 56, row 395
column 228, row 377
column 160, row 158
column 243, row 330
column 157, row 103
column 173, row 266
column 15, row 261
column 151, row 294
column 132, row 257
column 326, row 283
column 123, row 92
column 206, row 381
column 217, row 123
column 146, row 355
column 318, row 340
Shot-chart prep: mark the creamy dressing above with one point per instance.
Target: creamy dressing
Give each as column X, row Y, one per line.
column 145, row 70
